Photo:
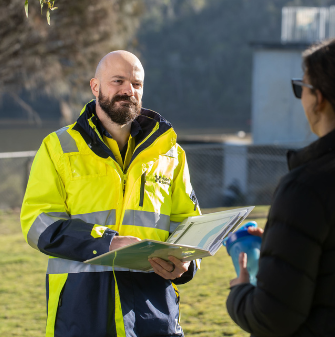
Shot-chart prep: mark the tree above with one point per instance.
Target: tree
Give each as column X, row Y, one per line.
column 60, row 59
column 50, row 7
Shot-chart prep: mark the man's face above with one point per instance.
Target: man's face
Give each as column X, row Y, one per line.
column 121, row 109
column 120, row 92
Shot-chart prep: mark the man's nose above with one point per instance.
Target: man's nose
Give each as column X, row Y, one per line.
column 128, row 89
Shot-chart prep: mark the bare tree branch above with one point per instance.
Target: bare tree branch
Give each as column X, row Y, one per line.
column 60, row 59
column 33, row 115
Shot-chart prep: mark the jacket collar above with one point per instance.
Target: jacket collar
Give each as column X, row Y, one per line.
column 134, row 131
column 311, row 152
column 147, row 121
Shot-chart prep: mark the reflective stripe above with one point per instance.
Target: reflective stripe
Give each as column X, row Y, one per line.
column 146, row 219
column 102, row 218
column 67, row 143
column 173, row 226
column 41, row 223
column 62, row 266
column 172, row 152
column 44, row 220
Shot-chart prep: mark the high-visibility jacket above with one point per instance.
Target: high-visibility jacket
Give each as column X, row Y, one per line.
column 78, row 198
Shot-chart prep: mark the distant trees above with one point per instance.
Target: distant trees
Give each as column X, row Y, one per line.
column 196, row 53
column 59, row 59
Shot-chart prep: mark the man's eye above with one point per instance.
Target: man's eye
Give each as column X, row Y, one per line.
column 118, row 81
column 136, row 85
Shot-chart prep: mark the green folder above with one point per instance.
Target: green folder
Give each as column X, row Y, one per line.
column 196, row 237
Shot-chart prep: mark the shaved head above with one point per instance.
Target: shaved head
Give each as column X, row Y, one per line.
column 118, row 87
column 114, row 59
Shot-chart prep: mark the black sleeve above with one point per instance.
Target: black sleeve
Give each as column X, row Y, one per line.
column 72, row 239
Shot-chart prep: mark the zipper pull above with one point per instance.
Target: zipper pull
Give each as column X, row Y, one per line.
column 124, row 186
column 143, row 181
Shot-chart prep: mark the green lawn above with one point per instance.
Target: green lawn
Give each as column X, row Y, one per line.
column 22, row 291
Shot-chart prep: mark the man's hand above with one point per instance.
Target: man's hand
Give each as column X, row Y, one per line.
column 169, row 270
column 121, row 241
column 244, row 274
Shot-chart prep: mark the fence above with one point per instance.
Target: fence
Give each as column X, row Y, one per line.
column 14, row 173
column 221, row 174
column 231, row 175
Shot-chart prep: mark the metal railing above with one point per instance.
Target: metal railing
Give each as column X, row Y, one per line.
column 232, row 175
column 14, row 174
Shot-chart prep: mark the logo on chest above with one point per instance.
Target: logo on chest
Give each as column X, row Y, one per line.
column 162, row 180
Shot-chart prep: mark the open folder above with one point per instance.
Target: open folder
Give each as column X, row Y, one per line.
column 195, row 237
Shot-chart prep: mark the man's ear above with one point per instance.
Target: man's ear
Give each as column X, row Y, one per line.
column 320, row 101
column 94, row 83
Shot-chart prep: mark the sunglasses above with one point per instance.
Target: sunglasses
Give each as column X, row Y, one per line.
column 297, row 84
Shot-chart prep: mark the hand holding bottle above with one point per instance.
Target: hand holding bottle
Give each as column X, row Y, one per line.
column 244, row 248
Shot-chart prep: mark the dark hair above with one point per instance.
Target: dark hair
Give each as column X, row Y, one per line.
column 319, row 65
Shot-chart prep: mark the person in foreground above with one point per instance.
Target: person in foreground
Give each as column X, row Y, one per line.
column 112, row 178
column 295, row 293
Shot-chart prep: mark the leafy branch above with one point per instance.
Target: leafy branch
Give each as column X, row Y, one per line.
column 50, row 7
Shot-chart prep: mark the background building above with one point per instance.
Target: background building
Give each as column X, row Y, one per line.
column 277, row 117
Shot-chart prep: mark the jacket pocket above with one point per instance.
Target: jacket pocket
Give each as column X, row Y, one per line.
column 143, row 181
column 86, row 167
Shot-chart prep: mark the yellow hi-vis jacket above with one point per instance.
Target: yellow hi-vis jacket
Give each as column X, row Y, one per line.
column 78, row 198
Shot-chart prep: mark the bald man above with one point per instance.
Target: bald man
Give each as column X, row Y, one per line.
column 113, row 178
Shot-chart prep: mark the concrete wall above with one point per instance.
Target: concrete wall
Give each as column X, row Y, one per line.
column 277, row 116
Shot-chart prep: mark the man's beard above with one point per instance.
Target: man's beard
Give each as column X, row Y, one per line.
column 126, row 112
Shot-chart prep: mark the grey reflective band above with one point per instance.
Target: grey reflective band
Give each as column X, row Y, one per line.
column 172, row 152
column 173, row 226
column 146, row 219
column 41, row 223
column 67, row 143
column 62, row 266
column 102, row 218
column 44, row 220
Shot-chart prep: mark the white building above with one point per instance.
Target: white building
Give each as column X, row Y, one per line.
column 277, row 116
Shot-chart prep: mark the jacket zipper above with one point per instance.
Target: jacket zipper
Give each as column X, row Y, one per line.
column 125, row 173
column 143, row 175
column 143, row 181
column 124, row 185
column 143, row 141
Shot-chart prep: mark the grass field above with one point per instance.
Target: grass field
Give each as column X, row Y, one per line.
column 22, row 291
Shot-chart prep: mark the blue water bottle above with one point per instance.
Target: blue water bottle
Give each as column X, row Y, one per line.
column 242, row 241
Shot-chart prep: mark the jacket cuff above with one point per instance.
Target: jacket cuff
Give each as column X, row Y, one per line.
column 104, row 242
column 188, row 275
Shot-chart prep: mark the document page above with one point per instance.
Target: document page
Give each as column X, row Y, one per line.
column 179, row 231
column 201, row 231
column 194, row 236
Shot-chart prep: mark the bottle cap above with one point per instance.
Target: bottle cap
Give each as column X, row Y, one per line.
column 241, row 232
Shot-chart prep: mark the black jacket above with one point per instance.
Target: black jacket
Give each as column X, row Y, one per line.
column 295, row 292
